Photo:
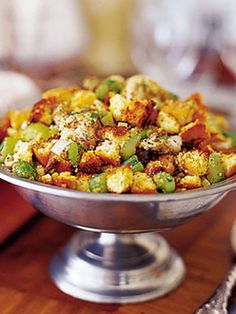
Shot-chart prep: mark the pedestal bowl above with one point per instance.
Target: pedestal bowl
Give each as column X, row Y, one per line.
column 119, row 257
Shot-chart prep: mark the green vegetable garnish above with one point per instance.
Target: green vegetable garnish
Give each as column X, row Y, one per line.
column 98, row 183
column 7, row 147
column 35, row 131
column 129, row 147
column 73, row 152
column 108, row 85
column 165, row 182
column 25, row 170
column 135, row 164
column 216, row 171
column 106, row 118
column 230, row 134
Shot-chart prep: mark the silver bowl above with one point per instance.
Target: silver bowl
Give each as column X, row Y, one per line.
column 118, row 258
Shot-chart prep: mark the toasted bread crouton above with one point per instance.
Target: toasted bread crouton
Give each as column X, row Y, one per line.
column 109, row 152
column 82, row 98
column 164, row 163
column 162, row 144
column 18, row 117
column 229, row 164
column 182, row 111
column 64, row 180
column 120, row 180
column 42, row 151
column 116, row 134
column 134, row 112
column 194, row 162
column 61, row 94
column 168, row 123
column 43, row 111
column 143, row 184
column 190, row 182
column 82, row 183
column 90, row 163
column 194, row 132
column 142, row 87
column 47, row 179
column 23, row 151
column 58, row 164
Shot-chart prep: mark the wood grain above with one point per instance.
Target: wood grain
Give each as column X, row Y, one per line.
column 25, row 286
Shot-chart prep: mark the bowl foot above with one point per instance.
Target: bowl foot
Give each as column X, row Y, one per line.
column 117, row 268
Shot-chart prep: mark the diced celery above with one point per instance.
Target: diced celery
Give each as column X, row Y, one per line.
column 7, row 147
column 165, row 182
column 24, row 169
column 107, row 118
column 135, row 164
column 98, row 183
column 230, row 134
column 129, row 147
column 35, row 131
column 216, row 171
column 73, row 152
column 106, row 86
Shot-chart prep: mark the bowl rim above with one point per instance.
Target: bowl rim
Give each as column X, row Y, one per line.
column 224, row 186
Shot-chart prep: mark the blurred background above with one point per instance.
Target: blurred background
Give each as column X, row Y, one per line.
column 186, row 45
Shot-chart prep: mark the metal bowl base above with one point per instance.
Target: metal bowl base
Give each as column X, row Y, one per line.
column 117, row 268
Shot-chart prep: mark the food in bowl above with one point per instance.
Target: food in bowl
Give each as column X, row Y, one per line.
column 120, row 136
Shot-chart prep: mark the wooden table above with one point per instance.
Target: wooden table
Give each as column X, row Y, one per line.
column 25, row 286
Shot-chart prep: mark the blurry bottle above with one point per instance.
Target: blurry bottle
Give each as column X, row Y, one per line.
column 108, row 25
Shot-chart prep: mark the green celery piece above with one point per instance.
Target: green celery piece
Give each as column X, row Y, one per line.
column 7, row 147
column 107, row 118
column 216, row 171
column 24, row 169
column 165, row 182
column 98, row 183
column 129, row 147
column 35, row 131
column 135, row 164
column 73, row 152
column 230, row 134
column 106, row 86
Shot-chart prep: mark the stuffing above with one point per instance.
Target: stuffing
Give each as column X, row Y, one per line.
column 41, row 151
column 90, row 163
column 190, row 182
column 81, row 99
column 18, row 117
column 47, row 179
column 194, row 162
column 23, row 151
column 82, row 183
column 168, row 123
column 64, row 180
column 164, row 163
column 63, row 95
column 143, row 184
column 162, row 144
column 194, row 132
column 109, row 152
column 43, row 111
column 118, row 135
column 182, row 111
column 120, row 180
column 142, row 87
column 229, row 164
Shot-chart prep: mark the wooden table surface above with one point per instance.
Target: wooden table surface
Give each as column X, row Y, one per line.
column 25, row 286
